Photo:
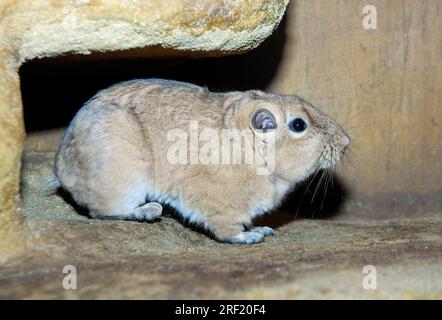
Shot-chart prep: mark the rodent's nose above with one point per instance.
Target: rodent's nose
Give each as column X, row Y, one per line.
column 345, row 140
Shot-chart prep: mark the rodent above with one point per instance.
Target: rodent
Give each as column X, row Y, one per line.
column 115, row 155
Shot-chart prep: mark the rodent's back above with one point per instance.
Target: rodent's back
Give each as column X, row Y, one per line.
column 165, row 104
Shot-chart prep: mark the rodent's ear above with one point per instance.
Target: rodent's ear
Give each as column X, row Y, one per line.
column 230, row 109
column 263, row 120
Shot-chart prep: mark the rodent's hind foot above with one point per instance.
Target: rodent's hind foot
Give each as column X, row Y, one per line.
column 148, row 212
column 247, row 237
column 265, row 231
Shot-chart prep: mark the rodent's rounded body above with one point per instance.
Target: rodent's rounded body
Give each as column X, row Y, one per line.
column 115, row 156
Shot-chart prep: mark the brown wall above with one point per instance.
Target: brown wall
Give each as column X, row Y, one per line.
column 384, row 85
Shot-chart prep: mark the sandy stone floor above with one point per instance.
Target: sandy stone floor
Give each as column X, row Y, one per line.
column 307, row 258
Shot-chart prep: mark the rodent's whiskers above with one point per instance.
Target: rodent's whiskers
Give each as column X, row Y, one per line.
column 327, row 176
column 347, row 158
column 315, row 168
column 332, row 154
column 318, row 185
column 328, row 180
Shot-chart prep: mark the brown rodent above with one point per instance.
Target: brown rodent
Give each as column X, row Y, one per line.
column 117, row 157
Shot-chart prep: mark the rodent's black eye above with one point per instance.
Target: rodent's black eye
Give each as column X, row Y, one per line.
column 298, row 125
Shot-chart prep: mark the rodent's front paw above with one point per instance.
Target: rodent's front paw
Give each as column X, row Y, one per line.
column 148, row 212
column 247, row 237
column 266, row 231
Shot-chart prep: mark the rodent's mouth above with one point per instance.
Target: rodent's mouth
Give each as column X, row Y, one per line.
column 330, row 156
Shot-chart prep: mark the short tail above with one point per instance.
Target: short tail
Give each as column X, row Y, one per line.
column 52, row 185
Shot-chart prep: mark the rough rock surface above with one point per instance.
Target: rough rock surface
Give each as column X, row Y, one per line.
column 33, row 29
column 305, row 259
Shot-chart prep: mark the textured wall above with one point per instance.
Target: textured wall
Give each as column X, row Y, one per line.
column 385, row 85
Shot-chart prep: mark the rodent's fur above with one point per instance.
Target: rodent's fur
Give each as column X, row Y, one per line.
column 113, row 157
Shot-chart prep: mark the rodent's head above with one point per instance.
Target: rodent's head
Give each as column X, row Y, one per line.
column 305, row 138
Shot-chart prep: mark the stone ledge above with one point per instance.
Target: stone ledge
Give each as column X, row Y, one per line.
column 46, row 28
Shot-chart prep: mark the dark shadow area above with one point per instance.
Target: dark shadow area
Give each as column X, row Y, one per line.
column 315, row 198
column 54, row 89
column 67, row 197
column 171, row 212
